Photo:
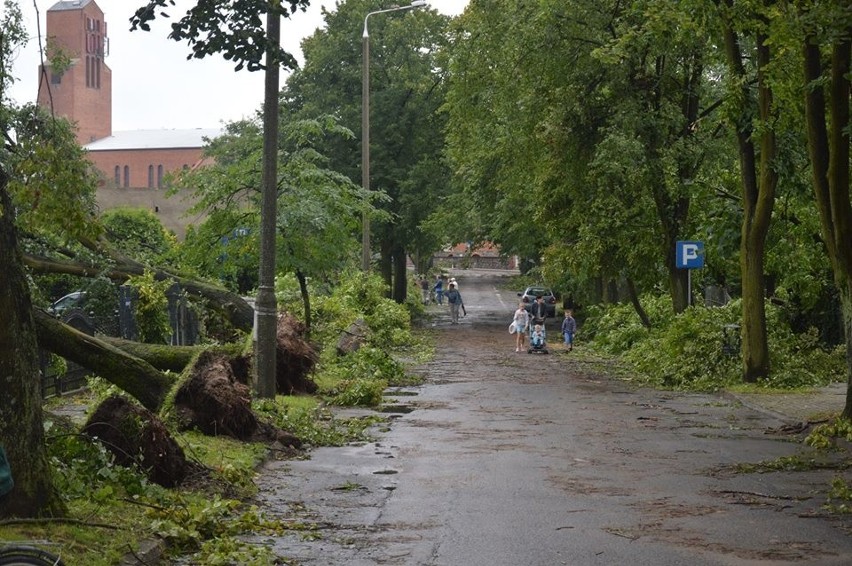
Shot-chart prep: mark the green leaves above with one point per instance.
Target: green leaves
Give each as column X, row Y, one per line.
column 51, row 183
column 234, row 29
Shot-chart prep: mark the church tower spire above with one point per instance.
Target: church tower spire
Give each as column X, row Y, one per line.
column 82, row 92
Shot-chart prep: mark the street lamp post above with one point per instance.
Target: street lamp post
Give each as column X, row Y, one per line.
column 365, row 127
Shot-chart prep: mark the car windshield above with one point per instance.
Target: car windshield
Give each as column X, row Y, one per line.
column 536, row 291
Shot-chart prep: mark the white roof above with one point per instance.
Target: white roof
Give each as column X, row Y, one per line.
column 69, row 5
column 155, row 139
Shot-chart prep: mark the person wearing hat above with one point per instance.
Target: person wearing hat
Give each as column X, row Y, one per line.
column 439, row 290
column 454, row 298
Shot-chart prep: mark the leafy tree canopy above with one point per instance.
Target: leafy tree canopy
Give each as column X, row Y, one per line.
column 235, row 29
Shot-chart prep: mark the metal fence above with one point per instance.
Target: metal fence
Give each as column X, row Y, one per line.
column 121, row 324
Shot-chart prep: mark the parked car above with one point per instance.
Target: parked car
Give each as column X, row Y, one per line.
column 69, row 301
column 531, row 293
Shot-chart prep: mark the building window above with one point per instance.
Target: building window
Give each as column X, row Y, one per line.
column 88, row 71
column 126, row 175
column 150, row 176
column 97, row 72
column 159, row 176
column 117, row 176
column 55, row 78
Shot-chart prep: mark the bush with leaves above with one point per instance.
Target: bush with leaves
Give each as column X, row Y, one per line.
column 139, row 233
column 362, row 296
column 686, row 351
column 615, row 328
column 151, row 310
column 311, row 423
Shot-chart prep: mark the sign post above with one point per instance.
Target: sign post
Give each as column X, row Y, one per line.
column 689, row 255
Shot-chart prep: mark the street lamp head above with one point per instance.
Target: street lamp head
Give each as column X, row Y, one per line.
column 418, row 3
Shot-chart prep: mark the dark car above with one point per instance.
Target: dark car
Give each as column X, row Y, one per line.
column 69, row 301
column 531, row 293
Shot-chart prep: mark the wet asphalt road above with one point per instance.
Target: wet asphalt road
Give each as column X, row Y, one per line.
column 505, row 459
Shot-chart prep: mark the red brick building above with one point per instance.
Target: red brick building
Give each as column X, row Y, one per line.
column 132, row 164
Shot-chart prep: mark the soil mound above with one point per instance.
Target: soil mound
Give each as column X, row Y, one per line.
column 295, row 358
column 214, row 400
column 136, row 436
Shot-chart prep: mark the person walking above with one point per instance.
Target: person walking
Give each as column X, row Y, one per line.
column 424, row 289
column 569, row 328
column 520, row 323
column 539, row 311
column 439, row 291
column 454, row 298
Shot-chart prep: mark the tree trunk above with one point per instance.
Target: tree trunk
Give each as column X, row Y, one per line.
column 306, row 301
column 758, row 200
column 846, row 300
column 21, row 424
column 386, row 263
column 400, row 275
column 161, row 356
column 829, row 152
column 754, row 340
column 133, row 375
column 637, row 305
column 232, row 306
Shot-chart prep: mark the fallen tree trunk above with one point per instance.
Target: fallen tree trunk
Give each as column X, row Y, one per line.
column 232, row 306
column 133, row 366
column 133, row 375
column 161, row 356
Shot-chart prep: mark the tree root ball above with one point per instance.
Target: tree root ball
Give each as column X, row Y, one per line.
column 135, row 435
column 213, row 399
column 295, row 358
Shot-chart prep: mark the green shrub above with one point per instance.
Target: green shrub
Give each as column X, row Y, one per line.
column 615, row 328
column 840, row 497
column 311, row 423
column 365, row 364
column 825, row 436
column 686, row 351
column 362, row 296
column 359, row 392
column 151, row 310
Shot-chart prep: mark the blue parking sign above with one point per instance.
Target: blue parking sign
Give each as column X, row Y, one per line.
column 689, row 255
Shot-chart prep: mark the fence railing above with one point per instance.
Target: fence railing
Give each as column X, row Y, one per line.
column 122, row 324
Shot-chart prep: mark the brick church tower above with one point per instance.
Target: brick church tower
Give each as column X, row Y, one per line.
column 82, row 92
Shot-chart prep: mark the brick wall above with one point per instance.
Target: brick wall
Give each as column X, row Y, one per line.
column 138, row 194
column 83, row 92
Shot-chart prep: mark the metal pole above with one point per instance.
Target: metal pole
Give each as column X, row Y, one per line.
column 365, row 146
column 266, row 309
column 689, row 287
column 365, row 128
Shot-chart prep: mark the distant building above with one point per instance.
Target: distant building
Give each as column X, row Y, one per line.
column 483, row 256
column 132, row 164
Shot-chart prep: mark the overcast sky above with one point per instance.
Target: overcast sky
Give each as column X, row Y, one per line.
column 153, row 84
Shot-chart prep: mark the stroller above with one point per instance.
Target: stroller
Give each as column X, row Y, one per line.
column 538, row 340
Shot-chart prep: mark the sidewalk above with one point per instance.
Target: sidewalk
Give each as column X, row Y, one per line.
column 813, row 405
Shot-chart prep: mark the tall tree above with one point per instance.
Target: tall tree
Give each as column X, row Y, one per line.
column 317, row 207
column 35, row 147
column 827, row 50
column 596, row 149
column 406, row 90
column 752, row 115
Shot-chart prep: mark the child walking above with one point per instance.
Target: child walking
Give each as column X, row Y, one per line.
column 569, row 328
column 520, row 323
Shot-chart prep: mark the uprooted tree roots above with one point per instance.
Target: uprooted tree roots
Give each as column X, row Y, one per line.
column 213, row 397
column 136, row 436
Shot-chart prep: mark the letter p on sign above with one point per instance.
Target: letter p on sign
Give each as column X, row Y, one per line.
column 689, row 255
